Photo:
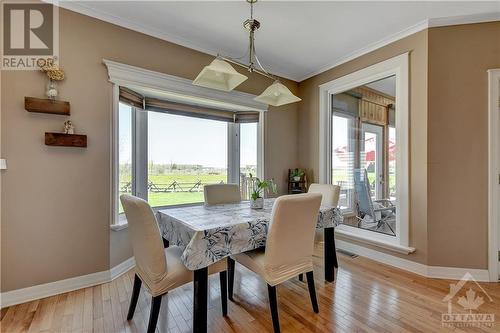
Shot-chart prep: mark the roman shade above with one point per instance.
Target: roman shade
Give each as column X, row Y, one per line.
column 135, row 99
column 346, row 103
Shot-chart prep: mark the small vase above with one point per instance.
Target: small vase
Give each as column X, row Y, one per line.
column 257, row 203
column 297, row 178
column 51, row 89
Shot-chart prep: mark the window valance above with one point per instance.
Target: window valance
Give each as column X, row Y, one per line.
column 128, row 96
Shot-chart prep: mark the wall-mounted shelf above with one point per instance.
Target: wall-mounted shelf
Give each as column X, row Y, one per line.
column 43, row 105
column 65, row 140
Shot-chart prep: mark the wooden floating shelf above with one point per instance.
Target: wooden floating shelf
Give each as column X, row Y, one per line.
column 43, row 105
column 65, row 140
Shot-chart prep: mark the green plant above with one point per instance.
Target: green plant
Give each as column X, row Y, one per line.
column 296, row 173
column 259, row 186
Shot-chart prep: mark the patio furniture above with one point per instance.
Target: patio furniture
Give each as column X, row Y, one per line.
column 380, row 211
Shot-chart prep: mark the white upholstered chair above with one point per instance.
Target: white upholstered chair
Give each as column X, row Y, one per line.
column 329, row 192
column 330, row 197
column 216, row 194
column 289, row 248
column 159, row 268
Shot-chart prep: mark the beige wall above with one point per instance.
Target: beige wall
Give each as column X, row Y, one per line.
column 448, row 137
column 55, row 201
column 309, row 126
column 458, row 142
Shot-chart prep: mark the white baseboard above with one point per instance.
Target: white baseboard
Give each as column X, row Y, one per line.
column 452, row 273
column 58, row 287
column 63, row 286
column 121, row 268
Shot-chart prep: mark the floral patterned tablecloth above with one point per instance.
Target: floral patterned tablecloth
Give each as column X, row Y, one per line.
column 210, row 233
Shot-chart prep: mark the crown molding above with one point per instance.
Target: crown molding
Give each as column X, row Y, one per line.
column 426, row 24
column 79, row 7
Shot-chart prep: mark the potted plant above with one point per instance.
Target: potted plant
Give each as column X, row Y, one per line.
column 258, row 188
column 296, row 175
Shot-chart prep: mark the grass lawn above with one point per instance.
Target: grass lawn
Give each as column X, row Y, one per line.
column 156, row 199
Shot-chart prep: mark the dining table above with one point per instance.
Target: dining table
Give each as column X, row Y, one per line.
column 209, row 233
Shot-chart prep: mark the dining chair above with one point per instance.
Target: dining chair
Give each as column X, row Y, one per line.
column 329, row 192
column 216, row 194
column 289, row 248
column 159, row 268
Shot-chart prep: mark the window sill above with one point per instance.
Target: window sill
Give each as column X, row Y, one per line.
column 350, row 235
column 119, row 226
column 123, row 223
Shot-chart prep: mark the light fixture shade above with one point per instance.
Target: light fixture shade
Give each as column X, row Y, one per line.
column 219, row 75
column 3, row 164
column 277, row 94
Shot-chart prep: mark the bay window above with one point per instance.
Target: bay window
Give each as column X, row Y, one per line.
column 170, row 138
column 167, row 158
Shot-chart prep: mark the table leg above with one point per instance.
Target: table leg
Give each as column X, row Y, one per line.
column 330, row 254
column 200, row 298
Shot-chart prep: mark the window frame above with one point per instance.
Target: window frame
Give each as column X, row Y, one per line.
column 352, row 145
column 397, row 66
column 140, row 160
column 120, row 74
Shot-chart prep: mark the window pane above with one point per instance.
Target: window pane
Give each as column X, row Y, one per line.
column 124, row 151
column 371, row 158
column 248, row 156
column 364, row 141
column 343, row 158
column 184, row 154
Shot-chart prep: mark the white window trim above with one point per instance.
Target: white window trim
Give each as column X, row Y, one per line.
column 397, row 66
column 130, row 76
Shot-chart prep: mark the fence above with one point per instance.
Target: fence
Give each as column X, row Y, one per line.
column 175, row 186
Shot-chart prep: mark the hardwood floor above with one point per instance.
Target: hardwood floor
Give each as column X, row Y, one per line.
column 366, row 297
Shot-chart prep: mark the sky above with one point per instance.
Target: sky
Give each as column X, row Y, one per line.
column 186, row 140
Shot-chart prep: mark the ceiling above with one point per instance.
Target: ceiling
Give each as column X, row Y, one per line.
column 296, row 40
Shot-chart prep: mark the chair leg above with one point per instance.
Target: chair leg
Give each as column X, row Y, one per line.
column 312, row 291
column 223, row 291
column 230, row 271
column 273, row 303
column 153, row 314
column 135, row 296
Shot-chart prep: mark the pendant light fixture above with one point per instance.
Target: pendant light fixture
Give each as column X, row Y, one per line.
column 222, row 76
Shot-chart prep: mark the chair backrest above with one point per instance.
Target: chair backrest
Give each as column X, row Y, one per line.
column 329, row 192
column 363, row 195
column 146, row 239
column 221, row 193
column 290, row 239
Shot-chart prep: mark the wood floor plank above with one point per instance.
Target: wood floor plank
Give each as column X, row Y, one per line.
column 366, row 297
